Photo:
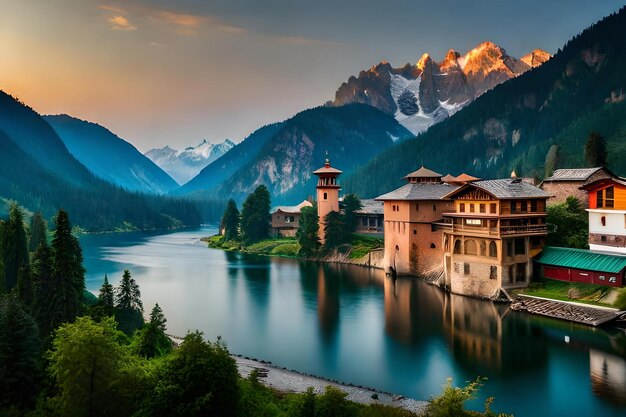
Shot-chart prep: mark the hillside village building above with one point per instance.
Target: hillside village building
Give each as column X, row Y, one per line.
column 568, row 182
column 286, row 219
column 607, row 215
column 491, row 235
column 370, row 218
column 413, row 245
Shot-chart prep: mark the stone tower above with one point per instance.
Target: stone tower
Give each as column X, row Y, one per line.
column 327, row 193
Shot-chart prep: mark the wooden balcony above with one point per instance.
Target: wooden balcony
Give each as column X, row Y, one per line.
column 530, row 229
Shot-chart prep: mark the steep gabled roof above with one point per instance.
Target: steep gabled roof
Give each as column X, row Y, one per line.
column 504, row 189
column 466, row 178
column 292, row 209
column 419, row 191
column 423, row 173
column 603, row 182
column 574, row 174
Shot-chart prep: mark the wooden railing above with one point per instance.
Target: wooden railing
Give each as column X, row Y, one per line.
column 492, row 231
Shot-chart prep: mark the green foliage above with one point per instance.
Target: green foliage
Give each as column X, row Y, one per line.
column 24, row 288
column 553, row 158
column 567, row 291
column 197, row 379
column 128, row 294
column 13, row 246
column 334, row 234
column 620, row 301
column 150, row 341
column 230, row 221
column 38, row 232
column 333, row 403
column 68, row 275
column 452, row 401
column 106, row 297
column 19, row 354
column 568, row 224
column 595, row 151
column 43, row 289
column 308, row 232
column 157, row 318
column 351, row 204
column 362, row 245
column 255, row 216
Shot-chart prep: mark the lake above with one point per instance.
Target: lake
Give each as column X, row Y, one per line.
column 355, row 325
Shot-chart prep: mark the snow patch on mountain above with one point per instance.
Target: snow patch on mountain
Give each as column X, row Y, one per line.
column 183, row 165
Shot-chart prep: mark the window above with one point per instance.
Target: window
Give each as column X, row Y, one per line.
column 462, row 207
column 493, row 208
column 523, row 206
column 472, row 208
column 509, row 248
column 290, row 219
column 493, row 249
column 513, row 206
column 609, row 195
column 397, row 247
column 599, row 200
column 482, row 208
column 417, row 207
column 612, row 280
column 473, row 222
column 434, row 207
column 457, row 246
column 433, row 246
column 493, row 272
column 520, row 247
column 471, row 248
column 520, row 273
column 602, row 238
column 603, row 220
column 483, row 248
column 364, row 221
column 466, row 268
column 414, row 231
column 325, row 196
column 602, row 278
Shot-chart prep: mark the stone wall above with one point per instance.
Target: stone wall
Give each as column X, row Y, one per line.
column 560, row 190
column 475, row 283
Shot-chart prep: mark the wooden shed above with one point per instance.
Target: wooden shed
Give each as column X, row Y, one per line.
column 580, row 265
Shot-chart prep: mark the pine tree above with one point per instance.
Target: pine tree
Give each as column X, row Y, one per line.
column 230, row 221
column 13, row 246
column 595, row 151
column 255, row 216
column 157, row 318
column 128, row 295
column 351, row 204
column 68, row 274
column 38, row 232
column 333, row 231
column 106, row 297
column 25, row 287
column 19, row 354
column 308, row 232
column 43, row 289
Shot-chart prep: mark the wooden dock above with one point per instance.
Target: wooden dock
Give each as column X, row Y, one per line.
column 579, row 313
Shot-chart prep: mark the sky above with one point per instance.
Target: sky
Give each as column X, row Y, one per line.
column 165, row 72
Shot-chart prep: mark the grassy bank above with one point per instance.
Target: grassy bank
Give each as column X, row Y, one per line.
column 578, row 292
column 358, row 247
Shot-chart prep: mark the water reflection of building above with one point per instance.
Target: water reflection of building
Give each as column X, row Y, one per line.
column 327, row 302
column 608, row 376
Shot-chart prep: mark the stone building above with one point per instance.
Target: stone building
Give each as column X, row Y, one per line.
column 607, row 214
column 412, row 242
column 327, row 193
column 491, row 234
column 286, row 219
column 568, row 182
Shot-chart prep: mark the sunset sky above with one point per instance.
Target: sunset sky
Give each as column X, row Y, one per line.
column 160, row 72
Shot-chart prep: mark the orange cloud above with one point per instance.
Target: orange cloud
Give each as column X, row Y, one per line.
column 121, row 23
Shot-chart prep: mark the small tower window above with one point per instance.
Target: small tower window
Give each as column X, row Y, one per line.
column 603, row 220
column 325, row 196
column 433, row 246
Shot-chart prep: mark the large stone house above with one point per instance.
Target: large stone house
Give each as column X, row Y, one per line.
column 491, row 234
column 413, row 245
column 568, row 182
column 286, row 219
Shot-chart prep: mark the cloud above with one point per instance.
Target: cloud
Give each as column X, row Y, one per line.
column 191, row 24
column 299, row 40
column 121, row 23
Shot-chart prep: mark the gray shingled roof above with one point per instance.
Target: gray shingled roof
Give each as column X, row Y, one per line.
column 572, row 174
column 419, row 191
column 509, row 188
column 371, row 206
column 423, row 172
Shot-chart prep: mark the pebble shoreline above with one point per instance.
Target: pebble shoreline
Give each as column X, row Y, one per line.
column 291, row 381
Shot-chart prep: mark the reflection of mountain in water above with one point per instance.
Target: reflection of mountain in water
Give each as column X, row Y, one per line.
column 608, row 376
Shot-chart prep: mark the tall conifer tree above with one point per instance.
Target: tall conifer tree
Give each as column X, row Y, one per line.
column 230, row 221
column 14, row 246
column 307, row 233
column 255, row 215
column 43, row 289
column 38, row 232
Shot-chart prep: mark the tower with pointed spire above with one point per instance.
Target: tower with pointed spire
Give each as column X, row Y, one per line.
column 327, row 193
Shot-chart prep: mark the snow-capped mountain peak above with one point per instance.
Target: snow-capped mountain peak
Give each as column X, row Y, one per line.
column 183, row 165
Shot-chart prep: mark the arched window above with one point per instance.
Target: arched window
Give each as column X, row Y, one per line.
column 603, row 220
column 433, row 246
column 493, row 249
column 457, row 246
column 470, row 247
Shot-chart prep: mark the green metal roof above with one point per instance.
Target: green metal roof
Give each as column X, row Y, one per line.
column 582, row 259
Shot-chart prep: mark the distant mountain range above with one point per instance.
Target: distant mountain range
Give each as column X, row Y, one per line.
column 511, row 127
column 38, row 171
column 283, row 155
column 109, row 157
column 428, row 92
column 186, row 164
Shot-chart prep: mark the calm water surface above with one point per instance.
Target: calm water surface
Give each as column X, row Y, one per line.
column 354, row 325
